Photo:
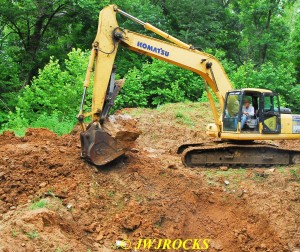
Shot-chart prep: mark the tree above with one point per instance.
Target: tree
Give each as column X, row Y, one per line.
column 264, row 32
column 28, row 23
column 205, row 24
column 293, row 19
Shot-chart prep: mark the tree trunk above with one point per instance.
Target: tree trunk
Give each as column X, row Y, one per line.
column 264, row 48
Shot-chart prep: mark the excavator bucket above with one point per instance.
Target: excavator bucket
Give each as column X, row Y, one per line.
column 98, row 147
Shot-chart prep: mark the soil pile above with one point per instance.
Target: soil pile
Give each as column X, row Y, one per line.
column 51, row 200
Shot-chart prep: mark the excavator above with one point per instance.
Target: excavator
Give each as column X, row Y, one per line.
column 239, row 140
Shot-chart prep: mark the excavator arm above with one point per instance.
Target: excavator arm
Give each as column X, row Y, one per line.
column 97, row 145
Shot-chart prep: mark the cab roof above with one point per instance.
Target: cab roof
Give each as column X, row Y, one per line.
column 260, row 90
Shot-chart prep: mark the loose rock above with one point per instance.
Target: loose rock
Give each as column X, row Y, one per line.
column 43, row 184
column 223, row 168
column 172, row 166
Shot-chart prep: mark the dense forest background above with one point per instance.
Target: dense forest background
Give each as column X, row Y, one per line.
column 44, row 53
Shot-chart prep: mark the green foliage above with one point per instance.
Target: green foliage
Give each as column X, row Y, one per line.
column 183, row 118
column 38, row 204
column 37, row 30
column 294, row 42
column 14, row 233
column 16, row 122
column 279, row 78
column 295, row 173
column 205, row 24
column 55, row 89
column 158, row 83
column 173, row 93
column 9, row 83
column 264, row 31
column 30, row 26
column 32, row 235
column 132, row 93
column 145, row 11
column 53, row 98
column 55, row 122
column 111, row 193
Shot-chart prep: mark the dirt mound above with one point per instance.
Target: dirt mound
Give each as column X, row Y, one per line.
column 291, row 145
column 51, row 200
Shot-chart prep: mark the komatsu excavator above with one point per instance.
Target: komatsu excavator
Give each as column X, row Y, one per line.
column 236, row 143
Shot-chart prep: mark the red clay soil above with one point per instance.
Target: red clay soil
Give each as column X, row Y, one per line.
column 147, row 194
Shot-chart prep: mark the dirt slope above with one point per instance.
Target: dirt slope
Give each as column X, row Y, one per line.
column 51, row 200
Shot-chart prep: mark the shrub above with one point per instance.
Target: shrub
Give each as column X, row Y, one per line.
column 158, row 83
column 52, row 100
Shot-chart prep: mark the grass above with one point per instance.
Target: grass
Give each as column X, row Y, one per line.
column 38, row 204
column 295, row 174
column 187, row 113
column 111, row 193
column 257, row 177
column 282, row 170
column 193, row 114
column 120, row 205
column 54, row 122
column 51, row 191
column 53, row 204
column 234, row 176
column 179, row 115
column 185, row 119
column 63, row 248
column 95, row 185
column 33, row 235
column 136, row 112
column 230, row 173
column 14, row 233
column 138, row 198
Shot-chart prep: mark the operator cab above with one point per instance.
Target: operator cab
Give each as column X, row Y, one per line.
column 252, row 111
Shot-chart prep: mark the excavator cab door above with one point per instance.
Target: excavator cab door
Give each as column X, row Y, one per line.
column 231, row 113
column 270, row 114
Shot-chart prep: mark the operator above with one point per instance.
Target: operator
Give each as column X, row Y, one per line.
column 247, row 110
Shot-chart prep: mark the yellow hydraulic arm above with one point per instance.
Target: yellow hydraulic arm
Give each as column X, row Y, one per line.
column 106, row 43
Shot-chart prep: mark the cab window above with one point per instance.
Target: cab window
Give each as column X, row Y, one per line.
column 270, row 103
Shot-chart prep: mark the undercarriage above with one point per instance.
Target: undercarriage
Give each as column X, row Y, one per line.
column 218, row 153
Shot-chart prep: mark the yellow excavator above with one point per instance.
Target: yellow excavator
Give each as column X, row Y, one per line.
column 235, row 130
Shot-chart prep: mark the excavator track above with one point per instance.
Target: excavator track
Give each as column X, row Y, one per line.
column 215, row 154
